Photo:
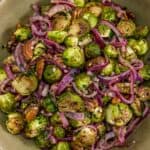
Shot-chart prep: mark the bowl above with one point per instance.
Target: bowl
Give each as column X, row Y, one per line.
column 16, row 11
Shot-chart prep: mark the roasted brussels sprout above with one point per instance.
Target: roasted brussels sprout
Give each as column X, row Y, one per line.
column 7, row 102
column 3, row 74
column 92, row 50
column 124, row 87
column 70, row 102
column 85, row 137
column 119, row 68
column 52, row 73
column 137, row 107
column 84, row 40
column 118, row 114
column 145, row 72
column 105, row 31
column 91, row 19
column 139, row 46
column 48, row 104
column 71, row 41
column 83, row 81
column 142, row 32
column 101, row 129
column 59, row 132
column 14, row 123
column 144, row 93
column 36, row 126
column 111, row 51
column 57, row 36
column 55, row 119
column 108, row 14
column 25, row 84
column 126, row 27
column 42, row 140
column 79, row 3
column 73, row 57
column 62, row 146
column 106, row 99
column 79, row 27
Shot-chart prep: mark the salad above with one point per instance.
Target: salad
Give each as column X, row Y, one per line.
column 75, row 78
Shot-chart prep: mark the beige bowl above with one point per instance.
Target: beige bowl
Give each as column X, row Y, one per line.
column 14, row 11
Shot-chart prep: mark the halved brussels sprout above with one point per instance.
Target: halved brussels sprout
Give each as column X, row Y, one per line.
column 52, row 73
column 70, row 102
column 73, row 57
column 84, row 40
column 36, row 126
column 25, row 84
column 71, row 41
column 59, row 132
column 55, row 119
column 144, row 93
column 145, row 72
column 79, row 3
column 7, row 102
column 101, row 129
column 142, row 32
column 126, row 27
column 3, row 74
column 15, row 123
column 111, row 51
column 118, row 114
column 62, row 146
column 57, row 36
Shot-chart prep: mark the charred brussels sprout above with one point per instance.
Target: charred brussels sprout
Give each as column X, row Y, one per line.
column 119, row 68
column 105, row 31
column 70, row 102
column 83, row 81
column 139, row 46
column 62, row 146
column 79, row 3
column 55, row 119
column 57, row 36
column 84, row 40
column 118, row 114
column 142, row 32
column 92, row 50
column 14, row 123
column 52, row 73
column 71, row 41
column 73, row 57
column 111, row 51
column 25, row 84
column 101, row 129
column 145, row 72
column 126, row 27
column 48, row 104
column 85, row 137
column 7, row 102
column 108, row 14
column 36, row 126
column 22, row 33
column 59, row 132
column 144, row 93
column 3, row 75
column 91, row 19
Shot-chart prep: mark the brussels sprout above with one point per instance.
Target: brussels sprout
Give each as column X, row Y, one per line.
column 48, row 104
column 92, row 50
column 139, row 46
column 105, row 31
column 83, row 81
column 62, row 146
column 137, row 107
column 119, row 68
column 73, row 57
column 123, row 87
column 145, row 72
column 108, row 14
column 142, row 32
column 58, row 132
column 57, row 36
column 111, row 51
column 79, row 27
column 79, row 3
column 55, row 119
column 52, row 73
column 61, row 21
column 42, row 140
column 14, row 123
column 22, row 33
column 84, row 40
column 126, row 27
column 118, row 114
column 85, row 137
column 144, row 93
column 7, row 102
column 70, row 102
column 101, row 129
column 36, row 126
column 108, row 70
column 71, row 41
column 106, row 99
column 25, row 84
column 3, row 75
column 91, row 19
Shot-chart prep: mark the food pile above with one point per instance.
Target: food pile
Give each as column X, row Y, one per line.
column 75, row 76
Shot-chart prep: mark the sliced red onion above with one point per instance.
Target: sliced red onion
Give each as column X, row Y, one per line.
column 57, row 9
column 66, row 2
column 64, row 120
column 119, row 44
column 93, row 94
column 45, row 90
column 75, row 116
column 98, row 38
column 137, row 64
column 69, row 139
column 3, row 84
column 121, row 134
column 8, row 71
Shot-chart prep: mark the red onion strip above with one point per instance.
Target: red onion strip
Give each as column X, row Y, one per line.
column 64, row 120
column 66, row 2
